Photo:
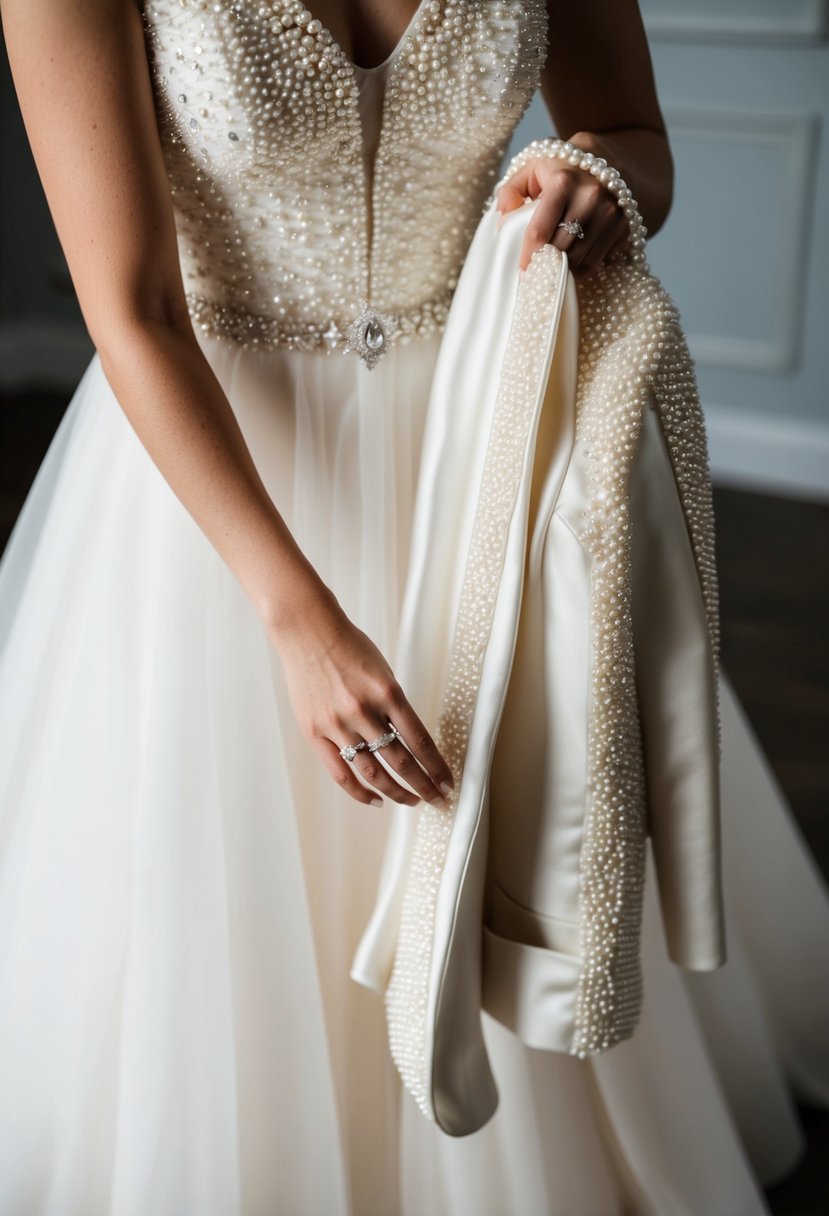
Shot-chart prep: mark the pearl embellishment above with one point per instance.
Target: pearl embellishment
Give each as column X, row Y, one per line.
column 258, row 109
column 562, row 149
column 632, row 356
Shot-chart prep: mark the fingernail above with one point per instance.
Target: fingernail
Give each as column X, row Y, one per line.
column 499, row 221
column 440, row 803
column 446, row 788
column 377, row 800
column 521, row 274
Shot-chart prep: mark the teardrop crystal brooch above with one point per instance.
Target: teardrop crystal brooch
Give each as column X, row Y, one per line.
column 370, row 334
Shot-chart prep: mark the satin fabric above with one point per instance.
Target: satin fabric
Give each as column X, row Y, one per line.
column 182, row 888
column 508, row 914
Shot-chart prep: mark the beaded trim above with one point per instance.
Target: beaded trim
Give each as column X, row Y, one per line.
column 632, row 353
column 596, row 166
column 253, row 332
column 408, row 990
column 283, row 227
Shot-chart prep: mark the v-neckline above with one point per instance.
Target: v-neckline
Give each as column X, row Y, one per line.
column 392, row 55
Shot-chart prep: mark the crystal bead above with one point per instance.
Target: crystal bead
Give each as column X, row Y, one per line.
column 374, row 337
column 453, row 96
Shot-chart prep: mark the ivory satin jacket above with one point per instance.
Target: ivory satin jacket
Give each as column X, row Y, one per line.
column 560, row 638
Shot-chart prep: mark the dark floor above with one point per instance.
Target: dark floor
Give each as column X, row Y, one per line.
column 773, row 557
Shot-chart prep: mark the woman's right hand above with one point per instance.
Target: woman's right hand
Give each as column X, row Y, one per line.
column 343, row 691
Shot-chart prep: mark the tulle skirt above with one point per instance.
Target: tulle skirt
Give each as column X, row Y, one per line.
column 182, row 887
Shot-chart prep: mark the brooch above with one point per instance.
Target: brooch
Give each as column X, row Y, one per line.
column 369, row 334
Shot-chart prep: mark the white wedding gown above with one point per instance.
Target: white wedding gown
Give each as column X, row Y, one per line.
column 182, row 887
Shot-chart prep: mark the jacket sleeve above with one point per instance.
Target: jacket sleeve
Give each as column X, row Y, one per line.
column 676, row 681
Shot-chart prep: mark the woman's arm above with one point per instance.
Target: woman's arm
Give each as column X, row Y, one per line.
column 598, row 85
column 82, row 78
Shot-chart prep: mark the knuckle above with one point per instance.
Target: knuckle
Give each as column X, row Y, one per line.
column 594, row 190
column 421, row 742
column 556, row 176
column 350, row 705
column 370, row 771
column 388, row 690
column 342, row 779
column 585, row 140
column 406, row 763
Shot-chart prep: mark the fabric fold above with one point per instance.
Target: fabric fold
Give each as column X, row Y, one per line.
column 577, row 414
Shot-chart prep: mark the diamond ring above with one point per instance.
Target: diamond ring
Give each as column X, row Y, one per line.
column 385, row 740
column 573, row 227
column 350, row 750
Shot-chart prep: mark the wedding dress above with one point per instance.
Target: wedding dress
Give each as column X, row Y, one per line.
column 182, row 887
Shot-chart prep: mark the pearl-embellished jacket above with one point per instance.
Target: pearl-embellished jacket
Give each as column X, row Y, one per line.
column 560, row 637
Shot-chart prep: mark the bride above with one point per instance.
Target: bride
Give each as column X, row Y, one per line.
column 265, row 212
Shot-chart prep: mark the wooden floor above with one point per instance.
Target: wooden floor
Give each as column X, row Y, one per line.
column 773, row 559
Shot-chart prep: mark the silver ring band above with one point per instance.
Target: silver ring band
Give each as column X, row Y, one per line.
column 386, row 739
column 350, row 750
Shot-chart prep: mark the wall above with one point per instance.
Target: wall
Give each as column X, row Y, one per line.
column 744, row 85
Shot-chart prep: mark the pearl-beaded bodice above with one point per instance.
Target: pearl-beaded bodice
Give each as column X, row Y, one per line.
column 285, row 236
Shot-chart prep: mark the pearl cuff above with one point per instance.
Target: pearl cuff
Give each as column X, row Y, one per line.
column 562, row 149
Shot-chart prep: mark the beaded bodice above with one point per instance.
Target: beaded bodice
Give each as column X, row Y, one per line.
column 284, row 239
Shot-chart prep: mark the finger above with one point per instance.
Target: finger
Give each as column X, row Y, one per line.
column 549, row 211
column 523, row 184
column 606, row 238
column 622, row 246
column 398, row 757
column 593, row 206
column 422, row 746
column 372, row 770
column 343, row 774
column 602, row 231
column 508, row 199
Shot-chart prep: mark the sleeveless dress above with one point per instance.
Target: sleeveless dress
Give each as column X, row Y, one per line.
column 182, row 888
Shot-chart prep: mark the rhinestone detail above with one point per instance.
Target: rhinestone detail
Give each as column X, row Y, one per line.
column 350, row 750
column 369, row 334
column 269, row 187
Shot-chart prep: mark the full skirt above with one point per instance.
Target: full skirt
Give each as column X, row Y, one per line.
column 182, row 887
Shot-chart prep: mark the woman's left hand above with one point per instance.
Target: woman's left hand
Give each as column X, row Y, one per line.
column 565, row 194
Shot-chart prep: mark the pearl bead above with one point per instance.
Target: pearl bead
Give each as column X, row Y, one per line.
column 599, row 168
column 632, row 356
column 454, row 93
